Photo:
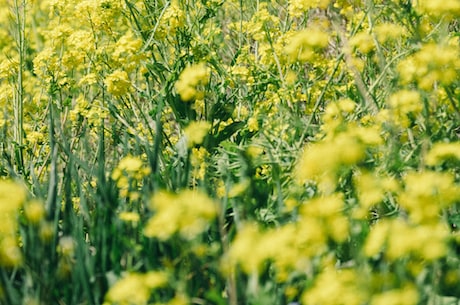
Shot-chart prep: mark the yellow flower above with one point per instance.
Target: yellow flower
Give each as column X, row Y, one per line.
column 438, row 8
column 426, row 194
column 441, row 152
column 388, row 31
column 403, row 103
column 129, row 217
column 433, row 63
column 363, row 42
column 304, row 44
column 372, row 189
column 189, row 81
column 245, row 250
column 187, row 213
column 299, row 7
column 195, row 132
column 118, row 82
column 397, row 239
column 34, row 211
column 135, row 288
column 336, row 287
column 10, row 253
column 407, row 295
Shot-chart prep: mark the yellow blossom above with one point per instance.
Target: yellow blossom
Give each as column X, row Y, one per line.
column 187, row 213
column 299, row 7
column 304, row 44
column 34, row 211
column 135, row 288
column 441, row 152
column 118, row 83
column 129, row 217
column 407, row 295
column 363, row 42
column 196, row 131
column 336, row 287
column 191, row 78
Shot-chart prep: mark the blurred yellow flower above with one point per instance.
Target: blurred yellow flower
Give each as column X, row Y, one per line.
column 118, row 82
column 135, row 288
column 129, row 217
column 441, row 152
column 191, row 78
column 195, row 132
column 407, row 295
column 187, row 213
column 304, row 44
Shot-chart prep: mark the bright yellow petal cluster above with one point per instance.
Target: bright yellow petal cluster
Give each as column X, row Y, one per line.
column 298, row 7
column 304, row 44
column 196, row 131
column 334, row 287
column 396, row 238
column 189, row 81
column 135, row 288
column 426, row 194
column 433, row 63
column 441, row 152
column 12, row 197
column 188, row 213
column 118, row 82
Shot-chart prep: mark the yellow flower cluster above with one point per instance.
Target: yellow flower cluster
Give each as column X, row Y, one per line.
column 441, row 152
column 398, row 239
column 372, row 189
column 321, row 161
column 304, row 44
column 337, row 287
column 190, row 80
column 299, row 7
column 129, row 174
column 433, row 63
column 135, row 288
column 12, row 197
column 118, row 83
column 426, row 194
column 195, row 132
column 291, row 246
column 188, row 213
column 450, row 9
column 404, row 104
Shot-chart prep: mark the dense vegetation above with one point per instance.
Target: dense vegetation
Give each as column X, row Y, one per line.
column 229, row 152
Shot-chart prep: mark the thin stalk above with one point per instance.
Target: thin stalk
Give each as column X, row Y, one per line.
column 20, row 16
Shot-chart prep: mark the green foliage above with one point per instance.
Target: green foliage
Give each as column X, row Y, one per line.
column 229, row 152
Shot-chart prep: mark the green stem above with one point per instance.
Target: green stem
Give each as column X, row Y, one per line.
column 19, row 9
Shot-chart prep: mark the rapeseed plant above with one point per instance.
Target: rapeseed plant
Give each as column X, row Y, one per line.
column 229, row 152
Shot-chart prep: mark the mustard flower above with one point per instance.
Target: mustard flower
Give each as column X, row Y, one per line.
column 34, row 211
column 438, row 8
column 189, row 81
column 441, row 152
column 407, row 295
column 333, row 287
column 387, row 32
column 363, row 42
column 404, row 103
column 397, row 239
column 426, row 193
column 187, row 213
column 304, row 44
column 299, row 7
column 135, row 288
column 433, row 63
column 196, row 131
column 118, row 83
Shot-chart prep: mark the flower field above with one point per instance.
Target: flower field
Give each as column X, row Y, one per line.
column 229, row 152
